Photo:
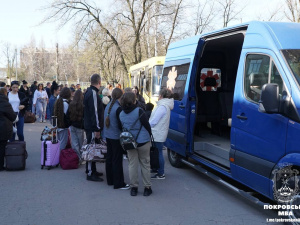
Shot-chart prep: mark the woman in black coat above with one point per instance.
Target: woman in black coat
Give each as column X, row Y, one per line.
column 26, row 90
column 7, row 116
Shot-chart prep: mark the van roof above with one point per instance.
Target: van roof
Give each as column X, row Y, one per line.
column 279, row 35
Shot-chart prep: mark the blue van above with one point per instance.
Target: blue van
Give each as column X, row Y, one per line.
column 237, row 102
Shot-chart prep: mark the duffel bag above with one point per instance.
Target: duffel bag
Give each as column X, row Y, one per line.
column 68, row 159
column 29, row 117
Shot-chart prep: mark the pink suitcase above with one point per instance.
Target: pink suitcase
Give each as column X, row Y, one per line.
column 50, row 152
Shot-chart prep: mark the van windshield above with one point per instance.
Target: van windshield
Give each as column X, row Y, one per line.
column 292, row 57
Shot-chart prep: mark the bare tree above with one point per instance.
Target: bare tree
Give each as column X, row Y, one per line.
column 28, row 59
column 85, row 16
column 10, row 55
column 205, row 15
column 136, row 17
column 230, row 10
column 176, row 7
column 130, row 32
column 293, row 13
column 272, row 14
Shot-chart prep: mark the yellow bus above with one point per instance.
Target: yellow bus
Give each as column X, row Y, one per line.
column 146, row 76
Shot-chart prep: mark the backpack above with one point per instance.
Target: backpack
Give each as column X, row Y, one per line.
column 127, row 140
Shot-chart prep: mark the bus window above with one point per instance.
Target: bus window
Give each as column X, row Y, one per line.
column 156, row 78
column 135, row 78
column 141, row 81
column 147, row 83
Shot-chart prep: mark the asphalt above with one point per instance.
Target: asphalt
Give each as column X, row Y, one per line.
column 56, row 196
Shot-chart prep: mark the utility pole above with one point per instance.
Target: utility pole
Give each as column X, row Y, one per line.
column 16, row 52
column 156, row 27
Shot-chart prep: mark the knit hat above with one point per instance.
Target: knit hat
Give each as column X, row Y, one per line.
column 105, row 100
column 106, row 92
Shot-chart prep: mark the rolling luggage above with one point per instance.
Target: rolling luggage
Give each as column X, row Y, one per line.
column 16, row 155
column 50, row 151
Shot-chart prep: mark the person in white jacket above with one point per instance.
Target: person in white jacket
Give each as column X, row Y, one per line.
column 159, row 122
column 40, row 101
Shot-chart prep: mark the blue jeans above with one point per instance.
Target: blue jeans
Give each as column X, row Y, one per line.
column 33, row 110
column 41, row 105
column 77, row 137
column 161, row 169
column 20, row 129
column 63, row 135
column 48, row 113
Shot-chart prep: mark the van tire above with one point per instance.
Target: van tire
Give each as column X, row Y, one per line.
column 174, row 159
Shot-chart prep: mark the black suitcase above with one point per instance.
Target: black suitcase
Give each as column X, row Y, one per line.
column 16, row 155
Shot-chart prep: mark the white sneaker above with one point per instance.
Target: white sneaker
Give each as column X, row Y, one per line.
column 126, row 187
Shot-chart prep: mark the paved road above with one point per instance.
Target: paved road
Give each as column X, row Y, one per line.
column 42, row 197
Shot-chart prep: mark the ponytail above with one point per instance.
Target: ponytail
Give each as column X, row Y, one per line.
column 59, row 112
column 116, row 94
column 107, row 120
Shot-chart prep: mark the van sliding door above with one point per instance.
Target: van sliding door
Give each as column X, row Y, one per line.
column 175, row 77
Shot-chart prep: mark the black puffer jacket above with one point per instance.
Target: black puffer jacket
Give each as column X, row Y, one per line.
column 93, row 118
column 7, row 116
column 26, row 92
column 27, row 95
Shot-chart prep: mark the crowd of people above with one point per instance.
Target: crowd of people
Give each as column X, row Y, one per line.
column 98, row 112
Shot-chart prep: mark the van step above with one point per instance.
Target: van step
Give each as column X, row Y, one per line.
column 247, row 195
column 216, row 158
column 214, row 148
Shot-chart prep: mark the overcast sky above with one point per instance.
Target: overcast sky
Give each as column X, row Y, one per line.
column 20, row 21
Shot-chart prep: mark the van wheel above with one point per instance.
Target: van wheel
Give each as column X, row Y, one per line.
column 175, row 159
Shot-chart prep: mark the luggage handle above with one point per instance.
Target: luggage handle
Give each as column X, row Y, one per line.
column 54, row 117
column 45, row 152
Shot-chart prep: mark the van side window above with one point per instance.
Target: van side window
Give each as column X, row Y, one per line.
column 260, row 70
column 210, row 79
column 174, row 78
column 256, row 75
column 276, row 78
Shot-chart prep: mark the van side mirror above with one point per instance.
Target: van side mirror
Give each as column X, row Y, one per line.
column 269, row 100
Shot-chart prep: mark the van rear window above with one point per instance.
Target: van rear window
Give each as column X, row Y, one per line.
column 174, row 78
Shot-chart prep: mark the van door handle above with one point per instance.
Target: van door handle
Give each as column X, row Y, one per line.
column 242, row 117
column 182, row 106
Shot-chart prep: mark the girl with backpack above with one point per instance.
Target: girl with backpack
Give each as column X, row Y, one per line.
column 60, row 111
column 75, row 113
column 134, row 119
column 112, row 131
